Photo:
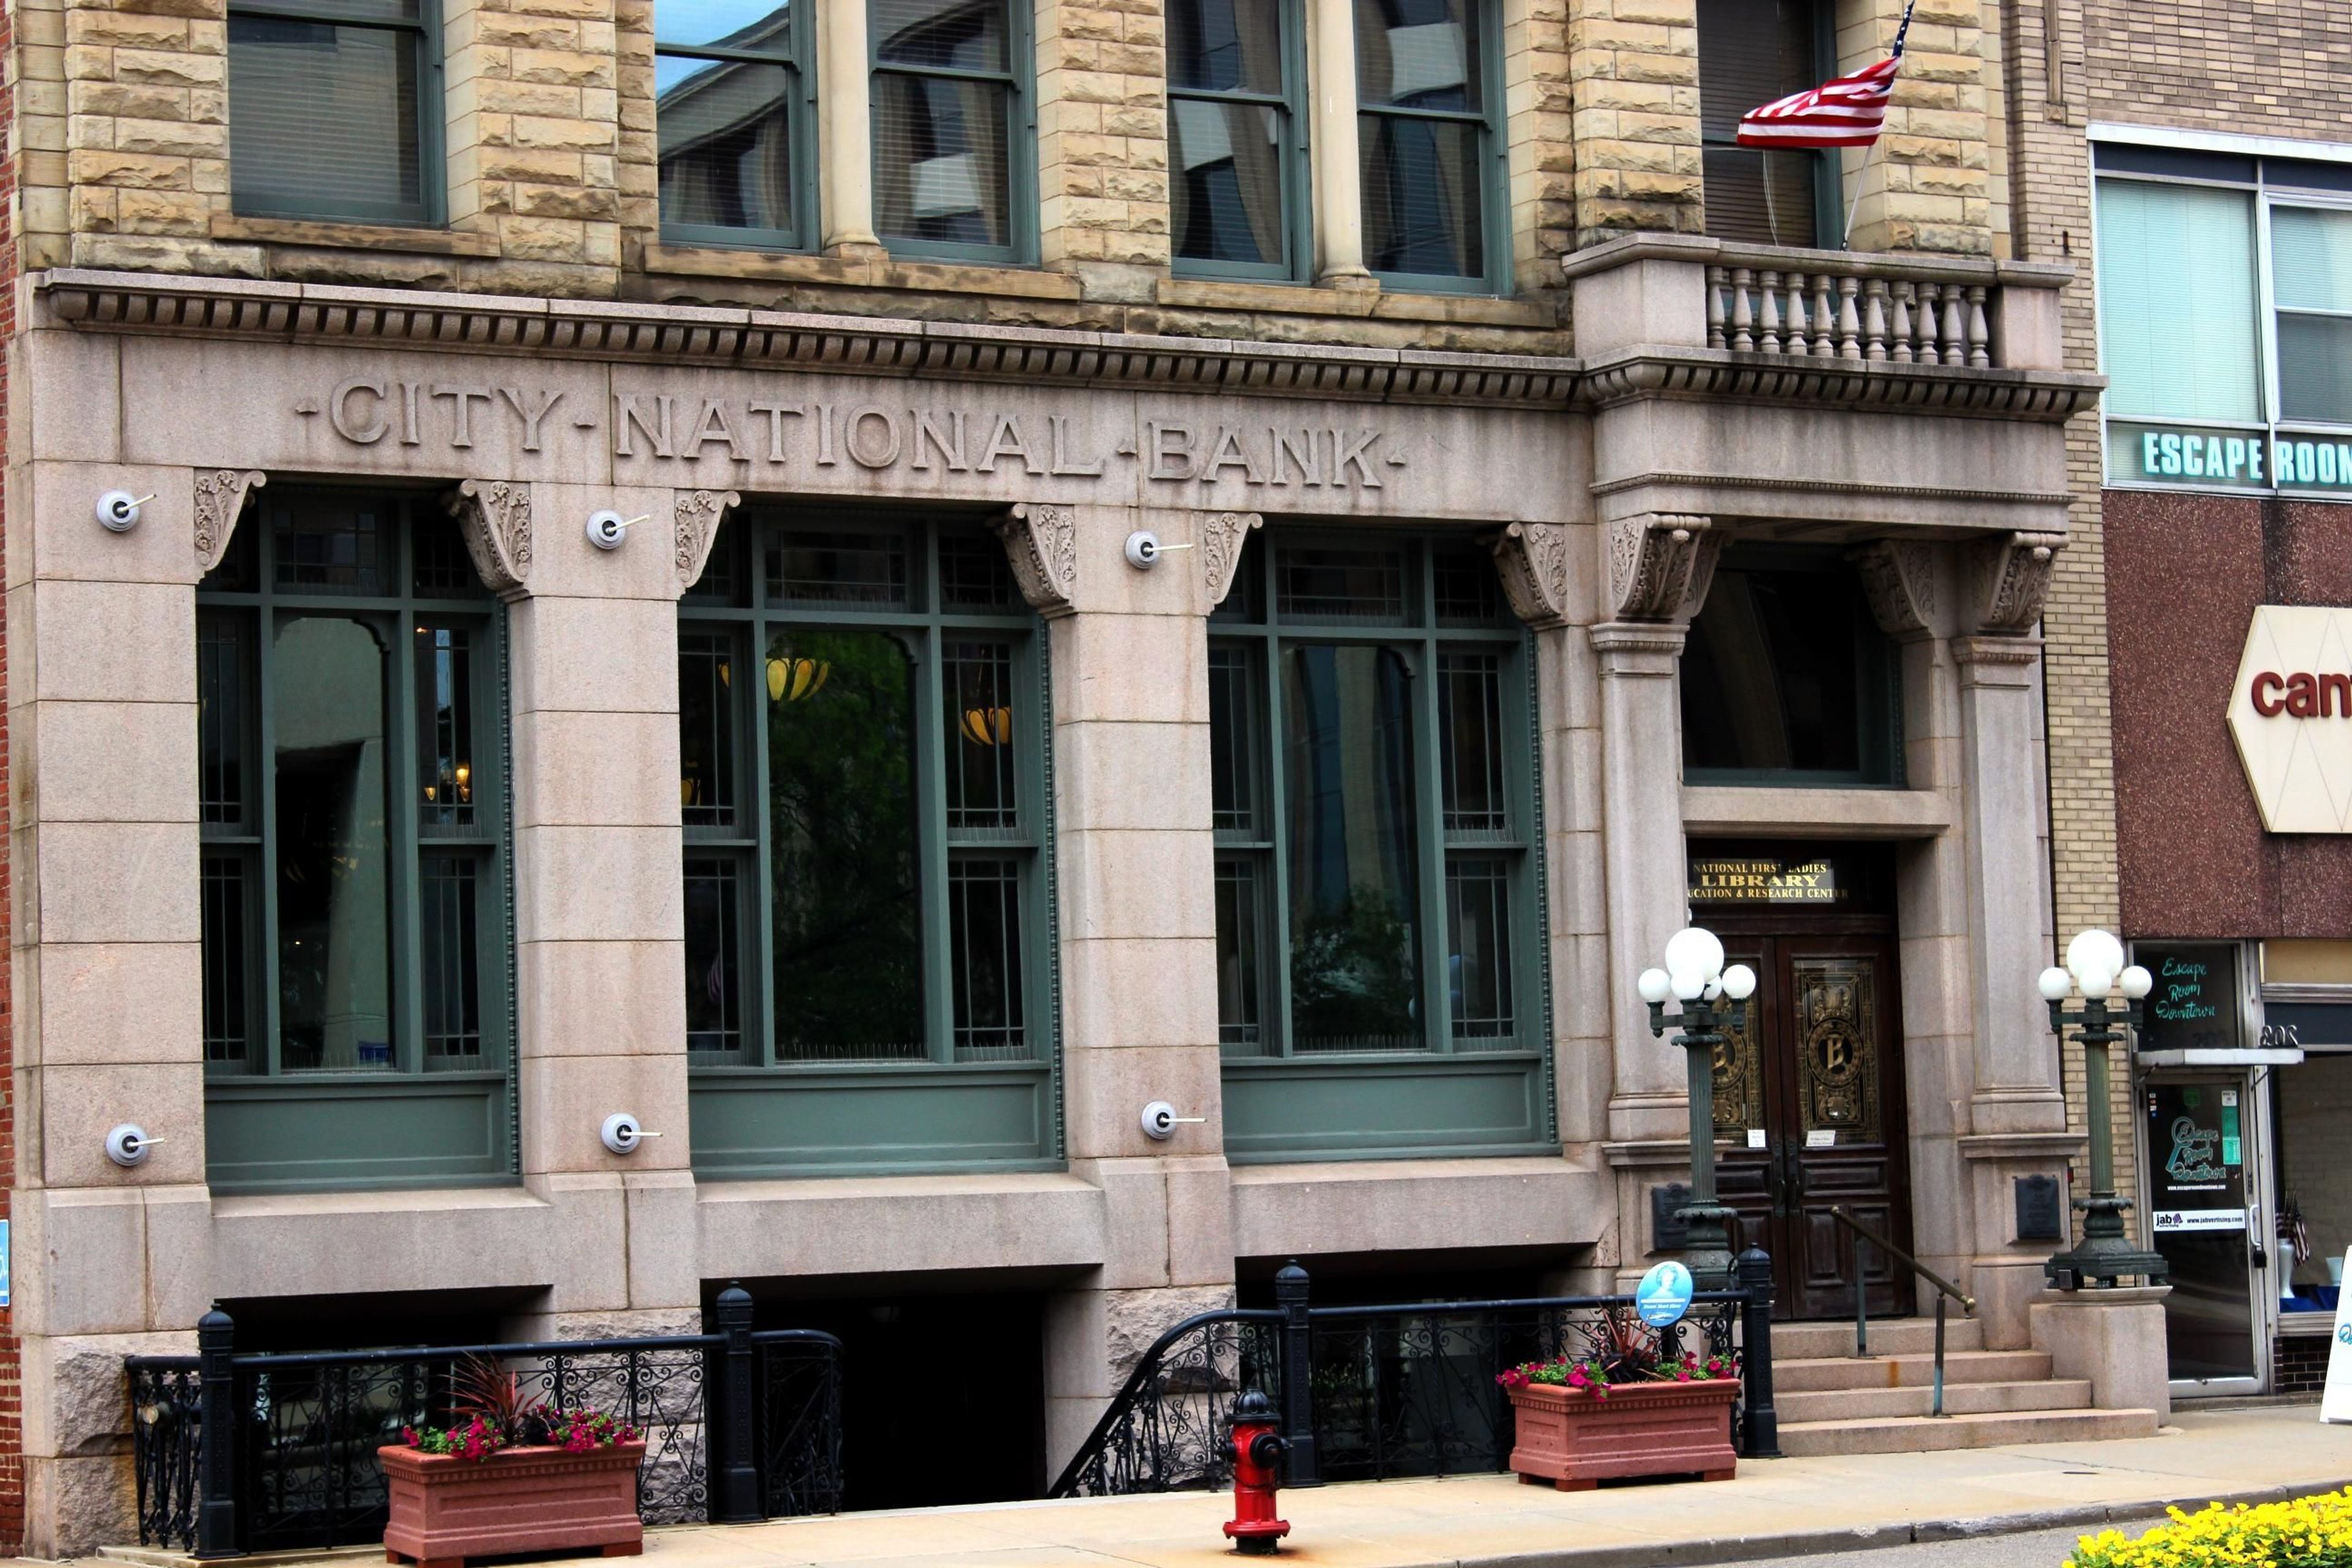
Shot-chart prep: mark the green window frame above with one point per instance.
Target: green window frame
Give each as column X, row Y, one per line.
column 300, row 132
column 732, row 79
column 356, row 892
column 1751, row 52
column 1381, row 988
column 1427, row 109
column 930, row 74
column 1215, row 113
column 866, row 790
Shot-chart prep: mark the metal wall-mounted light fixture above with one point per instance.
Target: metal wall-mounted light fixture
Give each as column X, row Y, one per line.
column 1144, row 549
column 621, row 1133
column 608, row 530
column 1160, row 1120
column 127, row 1144
column 118, row 511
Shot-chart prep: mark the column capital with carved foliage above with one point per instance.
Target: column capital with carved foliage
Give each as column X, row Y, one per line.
column 1660, row 564
column 221, row 495
column 2009, row 577
column 1532, row 560
column 1042, row 540
column 495, row 517
column 1222, row 536
column 698, row 514
column 1899, row 577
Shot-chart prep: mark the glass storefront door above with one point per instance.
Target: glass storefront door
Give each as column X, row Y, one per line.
column 2204, row 1213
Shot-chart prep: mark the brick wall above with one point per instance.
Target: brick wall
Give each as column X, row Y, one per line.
column 2299, row 1363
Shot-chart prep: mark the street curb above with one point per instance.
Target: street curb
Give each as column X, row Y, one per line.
column 1746, row 1549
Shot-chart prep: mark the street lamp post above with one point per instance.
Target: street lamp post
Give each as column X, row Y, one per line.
column 1712, row 998
column 2095, row 965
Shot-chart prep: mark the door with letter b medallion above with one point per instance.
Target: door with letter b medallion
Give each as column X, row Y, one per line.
column 1809, row 1088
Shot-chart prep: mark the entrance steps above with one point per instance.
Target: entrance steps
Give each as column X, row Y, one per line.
column 1831, row 1402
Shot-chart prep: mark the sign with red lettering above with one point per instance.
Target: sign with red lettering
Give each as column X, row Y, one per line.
column 2291, row 715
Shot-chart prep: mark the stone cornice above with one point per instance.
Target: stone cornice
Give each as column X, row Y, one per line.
column 1647, row 370
column 778, row 340
column 280, row 313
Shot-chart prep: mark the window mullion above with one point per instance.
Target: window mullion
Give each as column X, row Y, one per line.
column 931, row 848
column 758, row 963
column 404, row 848
column 1276, row 939
column 265, row 657
column 1429, row 787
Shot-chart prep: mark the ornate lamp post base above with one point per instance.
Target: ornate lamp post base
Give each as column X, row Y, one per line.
column 1706, row 1244
column 2105, row 1253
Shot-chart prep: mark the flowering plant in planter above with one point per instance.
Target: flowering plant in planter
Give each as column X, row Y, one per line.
column 1670, row 1413
column 511, row 1474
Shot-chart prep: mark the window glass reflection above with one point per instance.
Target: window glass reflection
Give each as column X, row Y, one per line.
column 1354, row 977
column 841, row 758
column 334, row 930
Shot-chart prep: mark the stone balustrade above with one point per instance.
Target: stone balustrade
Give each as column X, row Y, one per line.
column 1852, row 309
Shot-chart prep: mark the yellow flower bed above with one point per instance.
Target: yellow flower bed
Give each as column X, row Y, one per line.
column 2308, row 1533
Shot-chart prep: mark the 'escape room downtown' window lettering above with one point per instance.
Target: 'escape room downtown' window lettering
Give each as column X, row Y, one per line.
column 2204, row 457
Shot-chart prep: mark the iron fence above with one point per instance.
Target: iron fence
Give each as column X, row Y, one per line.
column 298, row 1468
column 1376, row 1393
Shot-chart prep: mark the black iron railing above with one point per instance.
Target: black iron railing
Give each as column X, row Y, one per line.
column 1946, row 1294
column 299, row 1469
column 1376, row 1393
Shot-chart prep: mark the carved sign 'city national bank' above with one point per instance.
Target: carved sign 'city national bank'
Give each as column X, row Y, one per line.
column 366, row 411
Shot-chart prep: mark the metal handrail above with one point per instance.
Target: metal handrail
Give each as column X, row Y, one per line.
column 1946, row 1293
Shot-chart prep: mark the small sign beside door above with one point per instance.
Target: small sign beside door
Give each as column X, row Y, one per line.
column 1755, row 1138
column 1821, row 1138
column 2335, row 1400
column 2199, row 1219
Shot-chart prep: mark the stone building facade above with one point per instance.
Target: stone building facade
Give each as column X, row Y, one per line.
column 371, row 946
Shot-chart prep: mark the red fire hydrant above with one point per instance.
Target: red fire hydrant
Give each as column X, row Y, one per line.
column 1256, row 1451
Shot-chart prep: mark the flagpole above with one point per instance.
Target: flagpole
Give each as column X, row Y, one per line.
column 1845, row 241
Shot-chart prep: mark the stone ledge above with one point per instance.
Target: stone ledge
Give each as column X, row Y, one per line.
column 673, row 334
column 315, row 233
column 1362, row 1205
column 860, row 272
column 1809, row 813
column 1374, row 303
column 1651, row 370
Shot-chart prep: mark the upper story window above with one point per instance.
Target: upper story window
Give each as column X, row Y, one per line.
column 333, row 111
column 952, row 128
column 1236, row 143
column 1750, row 53
column 732, row 105
column 1786, row 679
column 353, row 806
column 2225, row 318
column 864, row 791
column 1430, row 142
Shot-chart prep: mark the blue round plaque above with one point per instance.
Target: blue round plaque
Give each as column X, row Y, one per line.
column 1663, row 1295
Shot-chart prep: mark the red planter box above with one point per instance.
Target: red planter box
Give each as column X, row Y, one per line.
column 1575, row 1441
column 446, row 1509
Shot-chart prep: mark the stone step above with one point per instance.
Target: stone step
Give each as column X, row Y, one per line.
column 1889, row 1336
column 1922, row 1434
column 1959, row 1399
column 1808, row 1376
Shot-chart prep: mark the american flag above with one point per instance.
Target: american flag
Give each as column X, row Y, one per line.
column 1848, row 112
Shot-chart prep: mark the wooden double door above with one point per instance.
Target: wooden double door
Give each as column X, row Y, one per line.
column 1809, row 1110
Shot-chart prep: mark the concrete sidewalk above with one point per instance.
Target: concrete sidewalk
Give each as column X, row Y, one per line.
column 1775, row 1508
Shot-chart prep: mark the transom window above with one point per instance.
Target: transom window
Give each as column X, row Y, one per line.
column 863, row 789
column 1787, row 678
column 1374, row 808
column 1430, row 142
column 1236, row 80
column 733, row 108
column 333, row 110
column 2225, row 318
column 352, row 803
column 952, row 129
